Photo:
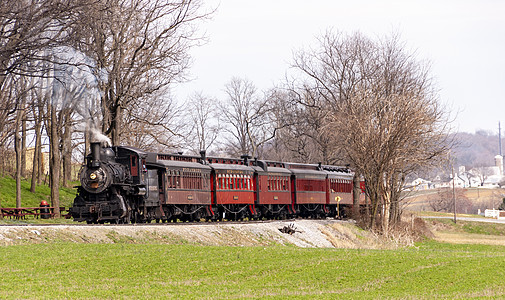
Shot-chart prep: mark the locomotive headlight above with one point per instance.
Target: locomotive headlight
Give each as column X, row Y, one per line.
column 92, row 176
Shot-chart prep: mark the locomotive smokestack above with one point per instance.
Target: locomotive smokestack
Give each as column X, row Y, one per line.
column 95, row 154
column 203, row 156
column 246, row 159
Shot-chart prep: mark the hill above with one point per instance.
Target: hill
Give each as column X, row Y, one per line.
column 476, row 149
column 28, row 199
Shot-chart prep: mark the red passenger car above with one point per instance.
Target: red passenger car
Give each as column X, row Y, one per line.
column 273, row 191
column 340, row 189
column 308, row 185
column 233, row 188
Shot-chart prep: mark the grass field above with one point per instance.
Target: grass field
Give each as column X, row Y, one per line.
column 482, row 198
column 62, row 270
column 430, row 270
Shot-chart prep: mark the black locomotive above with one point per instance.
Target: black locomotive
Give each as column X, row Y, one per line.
column 127, row 185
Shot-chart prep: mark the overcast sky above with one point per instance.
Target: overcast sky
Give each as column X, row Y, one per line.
column 464, row 40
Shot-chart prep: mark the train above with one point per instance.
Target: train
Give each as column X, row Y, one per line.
column 122, row 184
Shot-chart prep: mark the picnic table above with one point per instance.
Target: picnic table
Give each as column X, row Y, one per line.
column 22, row 212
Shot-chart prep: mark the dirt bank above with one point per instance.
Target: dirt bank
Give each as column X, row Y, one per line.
column 308, row 233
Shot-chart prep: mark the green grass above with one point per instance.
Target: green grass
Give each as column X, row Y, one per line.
column 496, row 229
column 28, row 199
column 483, row 228
column 79, row 271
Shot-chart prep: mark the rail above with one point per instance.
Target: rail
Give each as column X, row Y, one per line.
column 23, row 212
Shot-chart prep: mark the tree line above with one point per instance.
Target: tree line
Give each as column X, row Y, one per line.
column 72, row 72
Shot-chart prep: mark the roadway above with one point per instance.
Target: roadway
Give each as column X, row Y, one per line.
column 470, row 219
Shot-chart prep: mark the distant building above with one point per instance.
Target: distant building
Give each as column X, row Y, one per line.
column 420, row 184
column 487, row 176
column 483, row 176
column 29, row 160
column 498, row 162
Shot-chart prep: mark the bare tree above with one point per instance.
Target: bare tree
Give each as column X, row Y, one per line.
column 203, row 122
column 18, row 144
column 154, row 124
column 139, row 47
column 246, row 118
column 53, row 125
column 28, row 28
column 443, row 201
column 481, row 172
column 302, row 120
column 37, row 111
column 385, row 114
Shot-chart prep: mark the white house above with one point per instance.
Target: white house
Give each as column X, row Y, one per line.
column 420, row 184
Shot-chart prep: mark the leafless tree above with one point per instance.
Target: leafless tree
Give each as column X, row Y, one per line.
column 246, row 118
column 203, row 122
column 37, row 112
column 302, row 121
column 385, row 114
column 444, row 200
column 138, row 47
column 20, row 115
column 481, row 172
column 28, row 28
column 153, row 124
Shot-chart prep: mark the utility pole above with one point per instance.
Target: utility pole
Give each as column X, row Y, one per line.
column 453, row 189
column 499, row 136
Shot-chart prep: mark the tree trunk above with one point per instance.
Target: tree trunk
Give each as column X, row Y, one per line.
column 17, row 149
column 23, row 144
column 356, row 193
column 87, row 141
column 396, row 210
column 67, row 151
column 54, row 164
column 36, row 152
column 116, row 125
column 41, row 167
column 385, row 211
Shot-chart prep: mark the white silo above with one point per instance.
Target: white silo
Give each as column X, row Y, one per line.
column 498, row 162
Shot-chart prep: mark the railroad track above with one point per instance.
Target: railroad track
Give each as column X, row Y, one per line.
column 149, row 224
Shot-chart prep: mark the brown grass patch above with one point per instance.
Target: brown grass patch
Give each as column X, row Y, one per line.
column 469, row 238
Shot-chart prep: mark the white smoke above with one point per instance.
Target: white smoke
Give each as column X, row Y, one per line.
column 98, row 137
column 75, row 84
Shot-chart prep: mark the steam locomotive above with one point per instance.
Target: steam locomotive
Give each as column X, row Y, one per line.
column 127, row 185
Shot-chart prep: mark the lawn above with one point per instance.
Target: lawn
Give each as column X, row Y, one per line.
column 122, row 270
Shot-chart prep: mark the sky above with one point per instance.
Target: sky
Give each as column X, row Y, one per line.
column 463, row 39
